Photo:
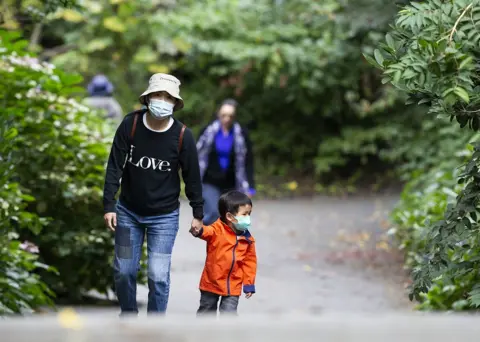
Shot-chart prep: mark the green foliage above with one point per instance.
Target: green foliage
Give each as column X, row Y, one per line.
column 58, row 157
column 20, row 289
column 13, row 12
column 425, row 197
column 432, row 54
column 449, row 296
column 312, row 102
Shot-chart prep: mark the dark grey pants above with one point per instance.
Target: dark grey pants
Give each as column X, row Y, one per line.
column 209, row 304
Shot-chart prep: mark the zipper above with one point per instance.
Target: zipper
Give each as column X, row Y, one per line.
column 231, row 268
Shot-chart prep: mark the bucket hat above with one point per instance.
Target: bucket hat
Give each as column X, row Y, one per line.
column 163, row 82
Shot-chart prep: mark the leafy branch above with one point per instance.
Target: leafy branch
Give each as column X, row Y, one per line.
column 421, row 59
column 454, row 29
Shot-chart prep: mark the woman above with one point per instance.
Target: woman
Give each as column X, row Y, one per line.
column 225, row 158
column 149, row 148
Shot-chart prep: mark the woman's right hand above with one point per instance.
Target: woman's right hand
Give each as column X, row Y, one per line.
column 110, row 220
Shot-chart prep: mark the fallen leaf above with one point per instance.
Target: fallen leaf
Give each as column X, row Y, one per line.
column 292, row 186
column 383, row 246
column 365, row 236
column 385, row 224
column 69, row 319
column 292, row 233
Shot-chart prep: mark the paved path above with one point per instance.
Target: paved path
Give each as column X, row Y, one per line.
column 323, row 273
column 69, row 327
column 315, row 256
column 304, row 267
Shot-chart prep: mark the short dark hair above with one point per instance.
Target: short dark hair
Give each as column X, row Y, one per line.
column 230, row 102
column 231, row 201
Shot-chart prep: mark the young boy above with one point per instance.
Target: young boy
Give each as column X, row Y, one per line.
column 231, row 258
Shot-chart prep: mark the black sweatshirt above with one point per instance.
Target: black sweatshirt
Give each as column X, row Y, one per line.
column 147, row 166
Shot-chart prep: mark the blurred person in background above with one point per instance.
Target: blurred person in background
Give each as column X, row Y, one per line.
column 100, row 90
column 226, row 159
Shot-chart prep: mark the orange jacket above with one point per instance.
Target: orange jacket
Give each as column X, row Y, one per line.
column 231, row 261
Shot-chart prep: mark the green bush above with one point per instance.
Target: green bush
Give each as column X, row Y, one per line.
column 432, row 184
column 432, row 54
column 21, row 289
column 60, row 155
column 312, row 102
column 425, row 199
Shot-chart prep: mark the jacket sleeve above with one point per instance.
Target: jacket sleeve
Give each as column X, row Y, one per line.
column 202, row 131
column 115, row 165
column 249, row 268
column 191, row 174
column 207, row 233
column 249, row 161
column 198, row 145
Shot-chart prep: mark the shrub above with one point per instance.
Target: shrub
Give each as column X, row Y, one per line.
column 432, row 54
column 20, row 288
column 60, row 153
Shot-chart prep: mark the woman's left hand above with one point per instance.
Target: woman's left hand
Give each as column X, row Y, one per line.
column 197, row 224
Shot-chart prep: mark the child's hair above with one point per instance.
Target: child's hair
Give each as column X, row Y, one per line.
column 231, row 201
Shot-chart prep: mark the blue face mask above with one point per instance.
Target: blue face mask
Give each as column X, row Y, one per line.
column 243, row 223
column 160, row 109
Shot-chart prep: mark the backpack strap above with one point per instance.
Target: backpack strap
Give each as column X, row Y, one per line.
column 180, row 139
column 134, row 126
column 180, row 143
column 136, row 115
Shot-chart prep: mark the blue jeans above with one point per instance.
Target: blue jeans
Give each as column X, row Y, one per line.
column 211, row 195
column 129, row 236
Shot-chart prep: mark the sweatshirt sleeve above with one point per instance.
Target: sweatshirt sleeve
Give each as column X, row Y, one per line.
column 191, row 174
column 116, row 162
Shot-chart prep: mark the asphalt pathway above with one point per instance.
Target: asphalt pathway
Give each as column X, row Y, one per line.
column 314, row 256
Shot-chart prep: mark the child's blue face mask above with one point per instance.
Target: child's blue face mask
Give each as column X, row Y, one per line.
column 243, row 223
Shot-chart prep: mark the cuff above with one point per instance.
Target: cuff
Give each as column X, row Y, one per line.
column 198, row 213
column 110, row 207
column 248, row 288
column 200, row 233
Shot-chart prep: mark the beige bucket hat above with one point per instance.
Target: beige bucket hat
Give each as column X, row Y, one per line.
column 163, row 82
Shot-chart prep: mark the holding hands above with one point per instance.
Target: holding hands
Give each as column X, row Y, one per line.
column 196, row 227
